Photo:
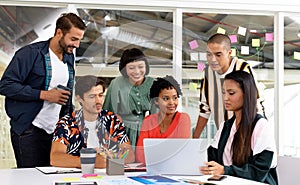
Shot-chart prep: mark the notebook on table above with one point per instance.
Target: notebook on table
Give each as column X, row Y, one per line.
column 57, row 170
column 168, row 156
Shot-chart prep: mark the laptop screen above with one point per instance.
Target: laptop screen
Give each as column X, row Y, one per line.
column 170, row 156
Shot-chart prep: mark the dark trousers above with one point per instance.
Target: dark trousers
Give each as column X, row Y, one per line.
column 32, row 148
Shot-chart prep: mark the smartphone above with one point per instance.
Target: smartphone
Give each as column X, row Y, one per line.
column 216, row 178
column 62, row 87
column 193, row 181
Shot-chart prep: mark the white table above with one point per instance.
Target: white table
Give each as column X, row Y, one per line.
column 31, row 176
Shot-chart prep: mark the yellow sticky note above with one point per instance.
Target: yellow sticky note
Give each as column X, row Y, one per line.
column 296, row 55
column 221, row 30
column 255, row 42
column 233, row 52
column 193, row 86
column 71, row 179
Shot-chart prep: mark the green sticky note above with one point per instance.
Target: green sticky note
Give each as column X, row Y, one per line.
column 193, row 86
column 96, row 177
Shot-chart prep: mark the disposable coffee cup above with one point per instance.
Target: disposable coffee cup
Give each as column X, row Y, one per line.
column 61, row 87
column 87, row 160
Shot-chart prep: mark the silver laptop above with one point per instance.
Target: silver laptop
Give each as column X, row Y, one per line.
column 175, row 156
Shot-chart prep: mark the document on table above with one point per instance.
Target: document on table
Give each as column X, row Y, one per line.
column 58, row 170
column 134, row 167
column 155, row 179
column 142, row 180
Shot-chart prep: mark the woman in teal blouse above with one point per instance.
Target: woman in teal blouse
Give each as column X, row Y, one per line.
column 128, row 95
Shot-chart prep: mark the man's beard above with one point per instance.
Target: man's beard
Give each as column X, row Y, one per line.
column 64, row 47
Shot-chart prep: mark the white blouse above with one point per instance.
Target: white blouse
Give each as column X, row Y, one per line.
column 262, row 139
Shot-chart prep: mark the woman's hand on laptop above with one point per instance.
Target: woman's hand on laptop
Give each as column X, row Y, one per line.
column 212, row 168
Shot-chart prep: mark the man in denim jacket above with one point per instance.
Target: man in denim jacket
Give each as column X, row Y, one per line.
column 29, row 83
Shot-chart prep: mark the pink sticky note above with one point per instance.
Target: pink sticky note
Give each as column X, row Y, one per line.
column 89, row 175
column 193, row 44
column 201, row 66
column 233, row 38
column 269, row 37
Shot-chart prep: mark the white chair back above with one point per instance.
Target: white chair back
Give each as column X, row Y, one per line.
column 288, row 170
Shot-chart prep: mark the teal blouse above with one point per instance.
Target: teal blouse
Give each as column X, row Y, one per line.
column 130, row 102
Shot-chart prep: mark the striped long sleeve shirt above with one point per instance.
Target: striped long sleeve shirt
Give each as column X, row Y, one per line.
column 211, row 92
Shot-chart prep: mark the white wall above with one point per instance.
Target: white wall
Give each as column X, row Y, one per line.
column 259, row 5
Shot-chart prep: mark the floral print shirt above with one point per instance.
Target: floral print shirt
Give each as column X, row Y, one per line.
column 72, row 132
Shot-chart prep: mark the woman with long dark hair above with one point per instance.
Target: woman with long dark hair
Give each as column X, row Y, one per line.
column 244, row 145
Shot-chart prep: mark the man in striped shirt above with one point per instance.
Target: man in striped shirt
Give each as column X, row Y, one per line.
column 220, row 63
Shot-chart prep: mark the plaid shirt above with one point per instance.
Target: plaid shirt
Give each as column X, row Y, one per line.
column 68, row 108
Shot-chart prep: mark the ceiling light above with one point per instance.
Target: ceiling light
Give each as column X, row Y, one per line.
column 107, row 17
column 110, row 17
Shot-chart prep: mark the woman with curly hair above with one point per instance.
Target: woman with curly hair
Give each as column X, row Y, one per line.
column 168, row 122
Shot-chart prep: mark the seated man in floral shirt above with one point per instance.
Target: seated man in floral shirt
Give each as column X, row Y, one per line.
column 93, row 128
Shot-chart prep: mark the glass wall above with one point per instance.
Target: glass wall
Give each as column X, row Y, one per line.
column 252, row 38
column 291, row 91
column 108, row 34
column 20, row 26
column 111, row 31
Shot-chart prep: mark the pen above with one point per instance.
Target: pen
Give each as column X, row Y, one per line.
column 108, row 153
column 124, row 155
column 122, row 151
column 113, row 154
column 118, row 154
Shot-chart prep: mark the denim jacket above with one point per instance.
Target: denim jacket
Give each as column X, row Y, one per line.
column 27, row 74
